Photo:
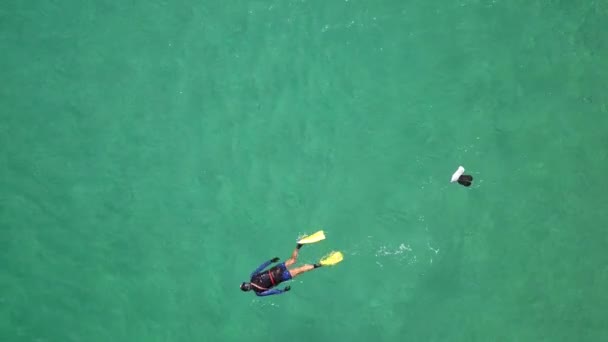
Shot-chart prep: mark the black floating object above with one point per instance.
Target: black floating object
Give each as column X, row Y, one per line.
column 461, row 178
column 465, row 180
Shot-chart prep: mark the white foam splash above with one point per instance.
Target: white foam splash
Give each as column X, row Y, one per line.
column 262, row 304
column 433, row 249
column 403, row 252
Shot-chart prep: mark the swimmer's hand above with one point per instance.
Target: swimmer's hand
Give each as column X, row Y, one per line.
column 287, row 288
column 275, row 259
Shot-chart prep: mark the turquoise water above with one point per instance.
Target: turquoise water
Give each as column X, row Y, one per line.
column 152, row 154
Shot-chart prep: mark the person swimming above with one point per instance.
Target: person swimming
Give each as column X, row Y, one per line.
column 264, row 282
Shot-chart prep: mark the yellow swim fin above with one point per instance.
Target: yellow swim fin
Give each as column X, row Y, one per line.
column 332, row 259
column 316, row 237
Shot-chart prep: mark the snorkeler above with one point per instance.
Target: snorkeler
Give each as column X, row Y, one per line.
column 264, row 282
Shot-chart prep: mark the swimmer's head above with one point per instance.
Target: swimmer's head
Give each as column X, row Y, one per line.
column 245, row 287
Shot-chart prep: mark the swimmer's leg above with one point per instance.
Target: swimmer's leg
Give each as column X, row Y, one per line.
column 302, row 269
column 294, row 256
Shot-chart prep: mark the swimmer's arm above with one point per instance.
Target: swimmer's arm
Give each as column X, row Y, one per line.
column 263, row 266
column 273, row 291
column 269, row 292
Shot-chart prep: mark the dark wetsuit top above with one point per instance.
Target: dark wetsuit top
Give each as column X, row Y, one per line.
column 262, row 282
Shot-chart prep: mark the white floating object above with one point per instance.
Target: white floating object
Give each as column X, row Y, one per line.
column 457, row 174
